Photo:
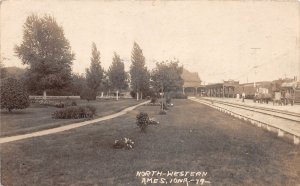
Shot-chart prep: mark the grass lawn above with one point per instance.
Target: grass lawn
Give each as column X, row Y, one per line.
column 38, row 117
column 191, row 137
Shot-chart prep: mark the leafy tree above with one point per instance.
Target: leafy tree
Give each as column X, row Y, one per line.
column 106, row 84
column 77, row 85
column 88, row 94
column 47, row 52
column 117, row 75
column 166, row 77
column 94, row 74
column 138, row 71
column 13, row 95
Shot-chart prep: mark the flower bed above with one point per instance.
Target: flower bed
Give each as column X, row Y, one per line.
column 124, row 143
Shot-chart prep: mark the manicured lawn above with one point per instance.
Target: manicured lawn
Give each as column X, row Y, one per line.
column 191, row 137
column 38, row 117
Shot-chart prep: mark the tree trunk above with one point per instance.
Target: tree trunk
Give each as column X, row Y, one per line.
column 44, row 95
column 163, row 95
column 141, row 95
column 137, row 95
column 101, row 94
column 117, row 95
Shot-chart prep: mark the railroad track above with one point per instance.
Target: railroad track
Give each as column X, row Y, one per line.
column 279, row 121
column 272, row 112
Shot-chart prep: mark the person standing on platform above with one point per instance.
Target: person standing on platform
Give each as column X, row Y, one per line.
column 243, row 96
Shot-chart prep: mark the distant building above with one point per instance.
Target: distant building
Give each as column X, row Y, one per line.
column 225, row 89
column 251, row 88
column 191, row 83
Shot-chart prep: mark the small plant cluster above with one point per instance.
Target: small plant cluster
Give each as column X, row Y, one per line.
column 75, row 112
column 124, row 143
column 142, row 120
column 57, row 104
column 153, row 104
column 162, row 112
column 153, row 121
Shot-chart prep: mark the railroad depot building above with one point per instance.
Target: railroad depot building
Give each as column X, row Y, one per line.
column 191, row 83
column 229, row 89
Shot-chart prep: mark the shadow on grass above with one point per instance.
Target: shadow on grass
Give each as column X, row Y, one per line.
column 15, row 112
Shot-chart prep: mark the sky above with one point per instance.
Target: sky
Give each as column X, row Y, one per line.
column 240, row 40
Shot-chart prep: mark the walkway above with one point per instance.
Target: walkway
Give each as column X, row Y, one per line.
column 68, row 127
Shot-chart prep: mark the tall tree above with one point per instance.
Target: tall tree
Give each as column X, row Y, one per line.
column 138, row 71
column 117, row 75
column 47, row 52
column 94, row 74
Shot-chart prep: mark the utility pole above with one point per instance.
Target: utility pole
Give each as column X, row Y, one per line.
column 298, row 49
column 255, row 67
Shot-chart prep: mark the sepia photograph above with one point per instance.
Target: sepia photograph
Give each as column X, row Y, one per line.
column 149, row 93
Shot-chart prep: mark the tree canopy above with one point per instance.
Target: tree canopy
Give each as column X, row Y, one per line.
column 138, row 71
column 95, row 74
column 167, row 76
column 116, row 73
column 47, row 52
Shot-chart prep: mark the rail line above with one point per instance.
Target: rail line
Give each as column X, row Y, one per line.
column 286, row 122
column 272, row 112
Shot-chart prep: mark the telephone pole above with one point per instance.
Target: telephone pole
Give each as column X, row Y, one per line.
column 255, row 67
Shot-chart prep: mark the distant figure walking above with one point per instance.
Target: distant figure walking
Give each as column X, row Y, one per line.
column 243, row 96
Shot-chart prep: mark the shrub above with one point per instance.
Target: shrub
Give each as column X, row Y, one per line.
column 153, row 100
column 168, row 100
column 124, row 143
column 57, row 104
column 153, row 121
column 32, row 100
column 142, row 120
column 162, row 112
column 180, row 96
column 75, row 112
column 133, row 94
column 88, row 94
column 45, row 102
column 92, row 109
column 60, row 105
column 73, row 103
column 13, row 95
